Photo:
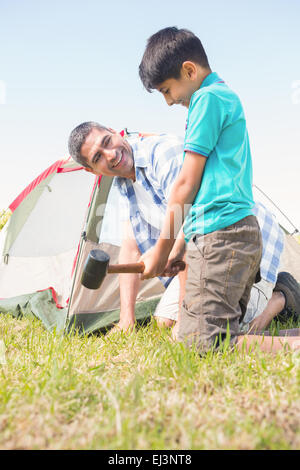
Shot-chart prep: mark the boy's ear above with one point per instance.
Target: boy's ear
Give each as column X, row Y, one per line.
column 189, row 69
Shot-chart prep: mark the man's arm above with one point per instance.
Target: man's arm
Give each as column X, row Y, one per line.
column 129, row 283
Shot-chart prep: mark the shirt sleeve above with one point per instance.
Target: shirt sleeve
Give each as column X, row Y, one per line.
column 206, row 119
column 122, row 206
column 168, row 163
column 124, row 209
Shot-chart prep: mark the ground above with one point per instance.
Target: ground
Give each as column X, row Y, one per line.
column 141, row 392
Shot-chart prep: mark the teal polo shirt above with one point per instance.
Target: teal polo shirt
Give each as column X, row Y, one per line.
column 216, row 129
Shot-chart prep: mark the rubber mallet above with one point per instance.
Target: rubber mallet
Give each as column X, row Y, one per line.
column 97, row 266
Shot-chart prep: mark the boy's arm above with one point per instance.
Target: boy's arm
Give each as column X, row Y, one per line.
column 182, row 196
column 177, row 254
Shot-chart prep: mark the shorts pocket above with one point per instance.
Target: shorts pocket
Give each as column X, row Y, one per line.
column 239, row 271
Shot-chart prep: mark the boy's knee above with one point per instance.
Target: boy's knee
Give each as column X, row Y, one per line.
column 206, row 332
column 205, row 344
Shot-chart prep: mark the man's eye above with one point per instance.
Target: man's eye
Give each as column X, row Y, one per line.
column 107, row 141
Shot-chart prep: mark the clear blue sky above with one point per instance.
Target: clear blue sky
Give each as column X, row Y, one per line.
column 65, row 62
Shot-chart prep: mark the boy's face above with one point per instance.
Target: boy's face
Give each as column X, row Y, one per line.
column 179, row 90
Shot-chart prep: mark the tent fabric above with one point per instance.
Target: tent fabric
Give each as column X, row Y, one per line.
column 102, row 321
column 36, row 182
column 84, row 301
column 290, row 258
column 40, row 241
column 55, row 224
column 40, row 305
column 60, row 166
column 22, row 211
column 23, row 275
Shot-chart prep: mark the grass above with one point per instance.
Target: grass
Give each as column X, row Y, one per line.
column 141, row 392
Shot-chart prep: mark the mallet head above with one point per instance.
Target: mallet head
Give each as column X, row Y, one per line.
column 95, row 269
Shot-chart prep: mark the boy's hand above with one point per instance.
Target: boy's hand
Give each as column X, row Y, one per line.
column 177, row 254
column 154, row 262
column 172, row 267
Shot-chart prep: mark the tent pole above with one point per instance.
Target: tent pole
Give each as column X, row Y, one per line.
column 296, row 230
column 82, row 240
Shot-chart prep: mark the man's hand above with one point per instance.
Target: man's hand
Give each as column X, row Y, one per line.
column 125, row 325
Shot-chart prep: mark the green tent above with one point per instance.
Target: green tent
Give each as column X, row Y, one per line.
column 55, row 222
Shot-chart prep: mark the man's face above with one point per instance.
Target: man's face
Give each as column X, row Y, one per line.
column 107, row 153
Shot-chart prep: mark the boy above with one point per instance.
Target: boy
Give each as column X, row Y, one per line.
column 225, row 246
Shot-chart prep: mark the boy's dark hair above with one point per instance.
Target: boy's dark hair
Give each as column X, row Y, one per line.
column 77, row 139
column 165, row 53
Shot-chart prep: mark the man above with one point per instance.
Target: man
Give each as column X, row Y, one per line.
column 145, row 169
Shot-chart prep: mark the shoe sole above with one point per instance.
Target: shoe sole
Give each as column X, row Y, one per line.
column 287, row 284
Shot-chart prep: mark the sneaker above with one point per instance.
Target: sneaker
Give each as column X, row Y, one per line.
column 290, row 288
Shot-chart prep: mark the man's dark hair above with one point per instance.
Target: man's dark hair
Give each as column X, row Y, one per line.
column 77, row 139
column 165, row 53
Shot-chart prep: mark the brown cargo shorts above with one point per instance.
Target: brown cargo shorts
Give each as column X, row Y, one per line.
column 222, row 267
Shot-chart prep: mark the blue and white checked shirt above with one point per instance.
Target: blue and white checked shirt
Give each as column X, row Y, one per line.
column 158, row 161
column 273, row 241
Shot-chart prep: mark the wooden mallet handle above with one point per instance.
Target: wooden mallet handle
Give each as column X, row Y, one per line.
column 126, row 268
column 135, row 267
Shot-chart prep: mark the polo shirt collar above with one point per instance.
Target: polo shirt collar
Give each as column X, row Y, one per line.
column 210, row 79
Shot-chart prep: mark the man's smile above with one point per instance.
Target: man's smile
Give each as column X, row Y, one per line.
column 118, row 160
column 108, row 153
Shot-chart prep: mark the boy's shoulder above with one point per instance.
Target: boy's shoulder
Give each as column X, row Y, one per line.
column 215, row 92
column 216, row 99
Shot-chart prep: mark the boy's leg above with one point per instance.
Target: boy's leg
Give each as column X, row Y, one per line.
column 222, row 266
